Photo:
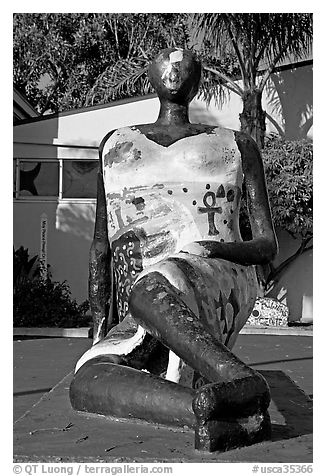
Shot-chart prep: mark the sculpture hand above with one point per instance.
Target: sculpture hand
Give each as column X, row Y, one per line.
column 197, row 249
column 256, row 251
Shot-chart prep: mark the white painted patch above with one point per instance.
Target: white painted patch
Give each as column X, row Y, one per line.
column 111, row 346
column 167, row 70
column 176, row 56
column 173, row 372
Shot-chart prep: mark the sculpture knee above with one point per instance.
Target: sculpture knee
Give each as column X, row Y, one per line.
column 144, row 299
column 171, row 272
column 151, row 284
column 90, row 356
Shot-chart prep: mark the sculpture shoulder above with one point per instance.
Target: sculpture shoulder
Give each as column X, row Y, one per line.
column 229, row 136
column 223, row 133
column 104, row 140
column 121, row 134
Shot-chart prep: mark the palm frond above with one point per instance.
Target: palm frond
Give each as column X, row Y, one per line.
column 209, row 31
column 212, row 88
column 126, row 78
column 253, row 37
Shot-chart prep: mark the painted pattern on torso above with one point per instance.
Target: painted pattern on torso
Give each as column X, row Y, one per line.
column 162, row 198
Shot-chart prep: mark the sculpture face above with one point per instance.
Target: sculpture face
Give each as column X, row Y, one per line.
column 175, row 75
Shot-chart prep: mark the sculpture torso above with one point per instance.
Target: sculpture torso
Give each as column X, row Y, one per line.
column 159, row 198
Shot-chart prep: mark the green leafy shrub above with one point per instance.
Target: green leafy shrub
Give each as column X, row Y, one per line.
column 288, row 168
column 43, row 303
column 24, row 267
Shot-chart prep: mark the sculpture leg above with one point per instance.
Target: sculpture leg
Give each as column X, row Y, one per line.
column 231, row 411
column 103, row 387
column 238, row 397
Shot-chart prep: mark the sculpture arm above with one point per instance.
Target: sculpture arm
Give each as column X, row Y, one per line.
column 263, row 247
column 100, row 283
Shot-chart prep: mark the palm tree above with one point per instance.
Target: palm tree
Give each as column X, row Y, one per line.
column 256, row 43
column 246, row 46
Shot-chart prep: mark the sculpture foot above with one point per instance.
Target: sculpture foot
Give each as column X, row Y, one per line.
column 232, row 414
column 221, row 435
column 235, row 398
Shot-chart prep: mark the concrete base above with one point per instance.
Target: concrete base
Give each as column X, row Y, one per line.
column 53, row 431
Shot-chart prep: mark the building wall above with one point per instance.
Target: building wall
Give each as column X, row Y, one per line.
column 78, row 134
column 288, row 101
column 70, row 230
column 295, row 287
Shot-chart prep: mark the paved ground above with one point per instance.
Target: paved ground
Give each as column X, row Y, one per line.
column 40, row 364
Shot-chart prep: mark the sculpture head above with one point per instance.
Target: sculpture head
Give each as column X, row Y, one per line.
column 175, row 75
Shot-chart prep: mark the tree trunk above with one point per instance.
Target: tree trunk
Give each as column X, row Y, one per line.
column 252, row 117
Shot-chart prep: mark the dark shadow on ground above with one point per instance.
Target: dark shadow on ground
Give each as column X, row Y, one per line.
column 291, row 404
column 23, row 337
column 31, row 392
column 265, row 362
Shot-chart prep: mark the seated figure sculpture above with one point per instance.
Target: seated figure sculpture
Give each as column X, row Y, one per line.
column 171, row 281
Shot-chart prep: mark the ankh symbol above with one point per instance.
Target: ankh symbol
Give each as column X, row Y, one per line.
column 210, row 209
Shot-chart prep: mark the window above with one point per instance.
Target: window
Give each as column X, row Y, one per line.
column 53, row 179
column 79, row 178
column 38, row 179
